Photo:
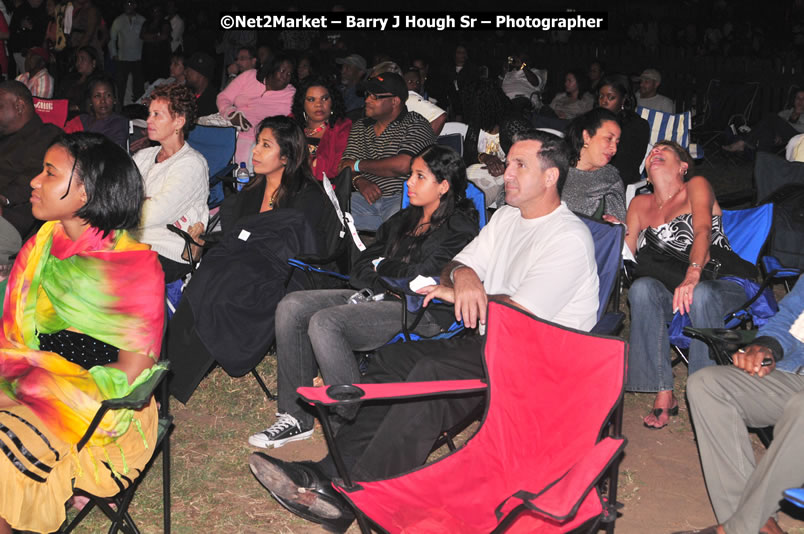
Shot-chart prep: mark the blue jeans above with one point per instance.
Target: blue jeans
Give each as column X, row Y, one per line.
column 649, row 364
column 369, row 217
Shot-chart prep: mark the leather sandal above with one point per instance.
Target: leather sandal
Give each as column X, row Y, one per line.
column 657, row 412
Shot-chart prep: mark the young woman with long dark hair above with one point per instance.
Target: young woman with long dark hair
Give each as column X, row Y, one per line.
column 321, row 329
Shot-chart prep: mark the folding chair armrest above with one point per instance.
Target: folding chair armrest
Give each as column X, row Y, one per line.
column 303, row 265
column 135, row 400
column 773, row 268
column 560, row 501
column 351, row 393
column 722, row 341
column 223, row 175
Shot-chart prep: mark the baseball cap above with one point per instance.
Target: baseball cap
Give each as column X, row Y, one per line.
column 387, row 82
column 203, row 64
column 651, row 74
column 353, row 60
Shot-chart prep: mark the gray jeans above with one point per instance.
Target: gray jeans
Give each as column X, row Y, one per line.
column 319, row 330
column 723, row 401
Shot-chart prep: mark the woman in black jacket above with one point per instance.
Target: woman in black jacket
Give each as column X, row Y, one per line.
column 321, row 329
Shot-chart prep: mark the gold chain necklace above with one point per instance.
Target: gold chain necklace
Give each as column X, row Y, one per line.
column 661, row 204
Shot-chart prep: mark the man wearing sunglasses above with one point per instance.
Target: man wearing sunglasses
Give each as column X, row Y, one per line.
column 380, row 148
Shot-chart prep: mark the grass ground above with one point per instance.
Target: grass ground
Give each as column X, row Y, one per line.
column 214, row 492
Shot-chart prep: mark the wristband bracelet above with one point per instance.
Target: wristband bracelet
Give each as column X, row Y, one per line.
column 696, row 265
column 357, row 165
column 452, row 272
column 354, row 181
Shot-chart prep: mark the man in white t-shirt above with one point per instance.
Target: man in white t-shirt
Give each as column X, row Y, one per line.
column 534, row 254
column 416, row 102
column 649, row 82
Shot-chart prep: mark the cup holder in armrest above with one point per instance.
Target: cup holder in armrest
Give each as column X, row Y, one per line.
column 727, row 335
column 345, row 392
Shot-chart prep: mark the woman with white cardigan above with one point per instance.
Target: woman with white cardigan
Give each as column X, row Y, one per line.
column 175, row 175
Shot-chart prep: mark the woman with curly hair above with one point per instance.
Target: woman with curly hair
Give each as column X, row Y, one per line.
column 175, row 175
column 318, row 108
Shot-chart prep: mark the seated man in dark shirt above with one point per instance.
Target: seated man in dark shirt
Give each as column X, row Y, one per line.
column 24, row 139
column 197, row 73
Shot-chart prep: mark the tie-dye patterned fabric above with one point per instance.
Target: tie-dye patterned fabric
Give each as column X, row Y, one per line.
column 109, row 288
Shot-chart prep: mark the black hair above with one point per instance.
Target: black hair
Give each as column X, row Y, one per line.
column 94, row 80
column 312, row 59
column 589, row 122
column 92, row 52
column 445, row 164
column 20, row 90
column 272, row 65
column 618, row 82
column 111, row 180
column 252, row 51
column 293, row 147
column 338, row 106
column 580, row 79
column 484, row 107
column 554, row 152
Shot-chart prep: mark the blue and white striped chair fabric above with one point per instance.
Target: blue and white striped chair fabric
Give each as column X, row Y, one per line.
column 673, row 127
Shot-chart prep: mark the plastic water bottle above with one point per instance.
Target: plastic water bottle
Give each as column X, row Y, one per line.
column 242, row 176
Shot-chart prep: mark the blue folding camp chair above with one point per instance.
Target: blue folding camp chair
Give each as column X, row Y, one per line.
column 608, row 240
column 747, row 231
column 217, row 145
column 667, row 126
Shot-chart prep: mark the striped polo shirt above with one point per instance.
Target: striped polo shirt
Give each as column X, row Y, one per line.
column 408, row 134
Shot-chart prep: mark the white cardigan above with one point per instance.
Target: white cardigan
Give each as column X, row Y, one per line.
column 175, row 188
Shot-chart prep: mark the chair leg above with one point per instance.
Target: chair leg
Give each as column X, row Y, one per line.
column 265, row 389
column 166, row 483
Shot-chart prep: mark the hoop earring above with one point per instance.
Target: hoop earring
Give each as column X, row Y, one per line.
column 305, row 116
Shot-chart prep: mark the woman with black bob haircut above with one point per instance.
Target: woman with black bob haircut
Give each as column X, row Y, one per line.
column 112, row 183
column 614, row 93
column 82, row 323
column 318, row 107
column 321, row 329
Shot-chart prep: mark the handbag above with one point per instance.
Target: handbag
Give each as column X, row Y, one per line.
column 658, row 260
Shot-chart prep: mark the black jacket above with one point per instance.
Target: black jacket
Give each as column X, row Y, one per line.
column 436, row 249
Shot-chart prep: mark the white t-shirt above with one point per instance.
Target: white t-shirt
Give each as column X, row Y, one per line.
column 423, row 107
column 546, row 264
column 657, row 102
column 175, row 188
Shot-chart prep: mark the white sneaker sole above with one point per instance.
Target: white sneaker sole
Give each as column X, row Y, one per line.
column 263, row 441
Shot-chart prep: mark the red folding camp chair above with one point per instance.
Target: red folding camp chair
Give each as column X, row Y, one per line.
column 550, row 432
column 52, row 111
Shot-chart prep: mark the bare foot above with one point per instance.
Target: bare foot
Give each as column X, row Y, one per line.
column 664, row 406
column 737, row 146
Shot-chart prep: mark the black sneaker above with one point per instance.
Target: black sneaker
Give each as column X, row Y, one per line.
column 286, row 429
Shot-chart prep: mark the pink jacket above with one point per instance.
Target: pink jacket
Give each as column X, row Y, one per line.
column 245, row 93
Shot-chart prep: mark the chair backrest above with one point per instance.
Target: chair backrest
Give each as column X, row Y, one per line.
column 608, row 240
column 52, row 111
column 666, row 126
column 473, row 193
column 556, row 424
column 453, row 141
column 724, row 100
column 748, row 229
column 455, row 127
column 216, row 144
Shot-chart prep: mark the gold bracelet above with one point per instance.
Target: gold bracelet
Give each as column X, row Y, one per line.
column 354, row 180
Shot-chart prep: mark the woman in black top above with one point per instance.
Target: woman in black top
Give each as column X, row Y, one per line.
column 321, row 329
column 614, row 94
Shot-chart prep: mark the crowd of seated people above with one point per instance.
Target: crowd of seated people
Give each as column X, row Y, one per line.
column 302, row 115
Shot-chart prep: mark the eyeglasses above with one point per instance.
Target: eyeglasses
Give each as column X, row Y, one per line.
column 380, row 96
